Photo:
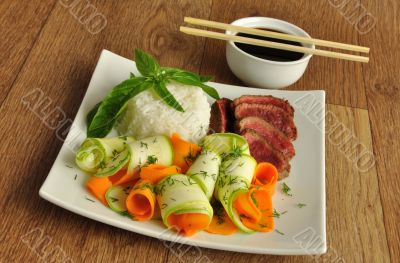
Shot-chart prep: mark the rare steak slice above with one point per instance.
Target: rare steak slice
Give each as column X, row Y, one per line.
column 271, row 134
column 258, row 99
column 222, row 119
column 263, row 152
column 276, row 116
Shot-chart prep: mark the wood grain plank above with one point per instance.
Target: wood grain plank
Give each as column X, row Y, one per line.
column 60, row 65
column 355, row 226
column 342, row 80
column 21, row 22
column 382, row 82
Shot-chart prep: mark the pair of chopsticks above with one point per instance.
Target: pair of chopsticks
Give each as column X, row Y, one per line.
column 275, row 35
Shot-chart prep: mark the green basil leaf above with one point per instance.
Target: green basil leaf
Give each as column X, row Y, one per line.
column 131, row 75
column 166, row 72
column 91, row 114
column 161, row 89
column 213, row 93
column 171, row 71
column 113, row 105
column 189, row 78
column 146, row 64
column 206, row 78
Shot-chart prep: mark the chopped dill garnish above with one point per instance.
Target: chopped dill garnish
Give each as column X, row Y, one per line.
column 236, row 152
column 151, row 159
column 76, row 175
column 113, row 199
column 253, row 198
column 233, row 180
column 225, row 198
column 279, row 232
column 301, row 205
column 143, row 144
column 191, row 181
column 277, row 214
column 69, row 166
column 203, row 173
column 89, row 199
column 286, row 189
column 125, row 213
column 190, row 157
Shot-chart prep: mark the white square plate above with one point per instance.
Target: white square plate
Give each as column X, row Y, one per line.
column 300, row 230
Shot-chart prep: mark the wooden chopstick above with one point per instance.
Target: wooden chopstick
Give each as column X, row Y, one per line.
column 264, row 43
column 259, row 32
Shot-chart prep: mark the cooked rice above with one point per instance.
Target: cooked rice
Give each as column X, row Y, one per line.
column 147, row 115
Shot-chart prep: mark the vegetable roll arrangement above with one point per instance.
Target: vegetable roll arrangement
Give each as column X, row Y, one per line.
column 217, row 187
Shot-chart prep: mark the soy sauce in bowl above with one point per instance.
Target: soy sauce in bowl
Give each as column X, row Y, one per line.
column 270, row 53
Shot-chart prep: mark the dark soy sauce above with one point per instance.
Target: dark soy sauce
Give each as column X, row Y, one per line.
column 270, row 53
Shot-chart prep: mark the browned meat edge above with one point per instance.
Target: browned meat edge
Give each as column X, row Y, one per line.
column 271, row 134
column 259, row 99
column 271, row 114
column 222, row 119
column 262, row 151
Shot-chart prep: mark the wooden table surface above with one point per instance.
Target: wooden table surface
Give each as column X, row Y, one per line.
column 54, row 46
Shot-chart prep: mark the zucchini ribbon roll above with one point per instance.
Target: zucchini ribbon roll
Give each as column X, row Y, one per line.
column 183, row 204
column 234, row 179
column 205, row 171
column 95, row 152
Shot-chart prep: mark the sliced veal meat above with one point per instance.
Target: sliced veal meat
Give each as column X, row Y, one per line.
column 270, row 113
column 271, row 134
column 257, row 99
column 222, row 118
column 263, row 152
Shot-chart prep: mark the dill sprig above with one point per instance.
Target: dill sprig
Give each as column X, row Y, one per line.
column 300, row 205
column 286, row 189
column 151, row 159
column 277, row 214
column 253, row 198
column 189, row 159
column 143, row 144
column 113, row 199
column 89, row 199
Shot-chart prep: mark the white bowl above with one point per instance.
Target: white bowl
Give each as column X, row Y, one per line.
column 262, row 73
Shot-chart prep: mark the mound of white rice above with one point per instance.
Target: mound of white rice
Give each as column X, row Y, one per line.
column 147, row 115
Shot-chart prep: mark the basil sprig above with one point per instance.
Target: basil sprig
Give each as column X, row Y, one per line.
column 102, row 118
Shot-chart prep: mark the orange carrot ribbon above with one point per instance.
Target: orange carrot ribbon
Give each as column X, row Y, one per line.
column 266, row 176
column 141, row 201
column 221, row 224
column 188, row 224
column 155, row 172
column 98, row 186
column 184, row 152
